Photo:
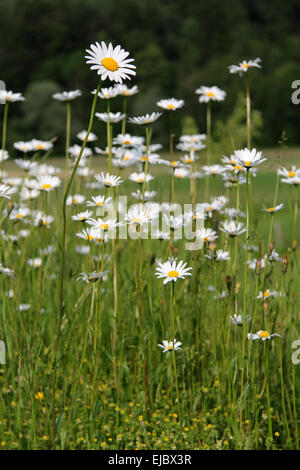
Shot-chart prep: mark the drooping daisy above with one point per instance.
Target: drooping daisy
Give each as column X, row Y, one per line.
column 170, row 345
column 249, row 158
column 148, row 195
column 212, row 93
column 171, row 271
column 237, row 319
column 262, row 334
column 67, row 95
column 170, row 104
column 110, row 62
column 42, row 220
column 7, row 191
column 244, row 66
column 108, row 180
column 144, row 120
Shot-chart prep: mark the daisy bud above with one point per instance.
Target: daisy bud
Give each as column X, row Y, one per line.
column 266, row 305
column 271, row 247
column 212, row 246
column 284, row 264
column 237, row 288
column 294, row 244
column 229, row 283
column 258, row 266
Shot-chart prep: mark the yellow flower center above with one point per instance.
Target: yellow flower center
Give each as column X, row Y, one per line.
column 89, row 237
column 271, row 209
column 127, row 142
column 19, row 216
column 169, row 347
column 170, row 106
column 189, row 160
column 107, row 183
column 173, row 163
column 126, row 93
column 264, row 334
column 210, row 94
column 100, row 203
column 237, row 167
column 137, row 220
column 46, row 186
column 247, row 163
column 75, row 201
column 266, row 294
column 245, row 66
column 292, row 174
column 140, row 180
column 206, row 239
column 110, row 64
column 144, row 158
column 39, row 147
column 104, row 226
column 173, row 273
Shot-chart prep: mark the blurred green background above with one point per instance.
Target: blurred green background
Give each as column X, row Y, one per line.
column 178, row 45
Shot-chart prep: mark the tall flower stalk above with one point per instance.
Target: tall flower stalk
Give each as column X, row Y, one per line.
column 62, row 270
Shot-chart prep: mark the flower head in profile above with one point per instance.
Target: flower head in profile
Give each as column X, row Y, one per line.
column 67, row 95
column 123, row 90
column 170, row 104
column 113, row 118
column 248, row 158
column 108, row 180
column 110, row 62
column 144, row 120
column 170, row 345
column 232, row 228
column 244, row 66
column 10, row 97
column 262, row 335
column 171, row 271
column 273, row 209
column 212, row 93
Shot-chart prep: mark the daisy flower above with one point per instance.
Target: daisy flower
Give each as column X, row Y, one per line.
column 213, row 169
column 92, row 277
column 137, row 215
column 266, row 294
column 271, row 210
column 140, row 177
column 82, row 216
column 212, row 93
column 170, row 345
column 23, row 146
column 181, row 173
column 74, row 151
column 171, row 271
column 244, row 66
column 48, row 183
column 106, row 93
column 98, row 201
column 75, row 200
column 232, row 228
column 248, row 158
column 262, row 334
column 10, row 97
column 206, row 234
column 67, row 95
column 220, row 255
column 41, row 144
column 18, row 214
column 148, row 195
column 113, row 118
column 34, row 262
column 125, row 91
column 7, row 191
column 25, row 165
column 143, row 120
column 127, row 140
column 110, row 62
column 238, row 319
column 108, row 180
column 3, row 155
column 170, row 104
column 82, row 135
column 105, row 225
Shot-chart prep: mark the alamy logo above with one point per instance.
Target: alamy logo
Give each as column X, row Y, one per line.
column 296, row 94
column 296, row 354
column 2, row 88
column 2, row 352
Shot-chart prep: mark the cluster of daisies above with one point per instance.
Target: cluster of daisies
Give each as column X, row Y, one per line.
column 126, row 151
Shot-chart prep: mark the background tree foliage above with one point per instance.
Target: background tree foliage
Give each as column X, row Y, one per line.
column 178, row 45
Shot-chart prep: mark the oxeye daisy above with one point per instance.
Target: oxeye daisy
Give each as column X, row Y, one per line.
column 148, row 195
column 125, row 91
column 106, row 93
column 98, row 201
column 262, row 335
column 206, row 234
column 232, row 228
column 128, row 140
column 181, row 173
column 237, row 319
column 34, row 262
column 171, row 271
column 249, row 158
column 74, row 151
column 244, row 66
column 82, row 216
column 23, row 146
column 108, row 180
column 212, row 93
column 140, row 177
column 110, row 62
column 10, row 97
column 20, row 213
column 67, row 95
column 273, row 209
column 113, row 118
column 25, row 165
column 7, row 191
column 48, row 183
column 144, row 120
column 92, row 277
column 82, row 135
column 3, row 155
column 75, row 200
column 105, row 225
column 170, row 345
column 170, row 104
column 219, row 255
